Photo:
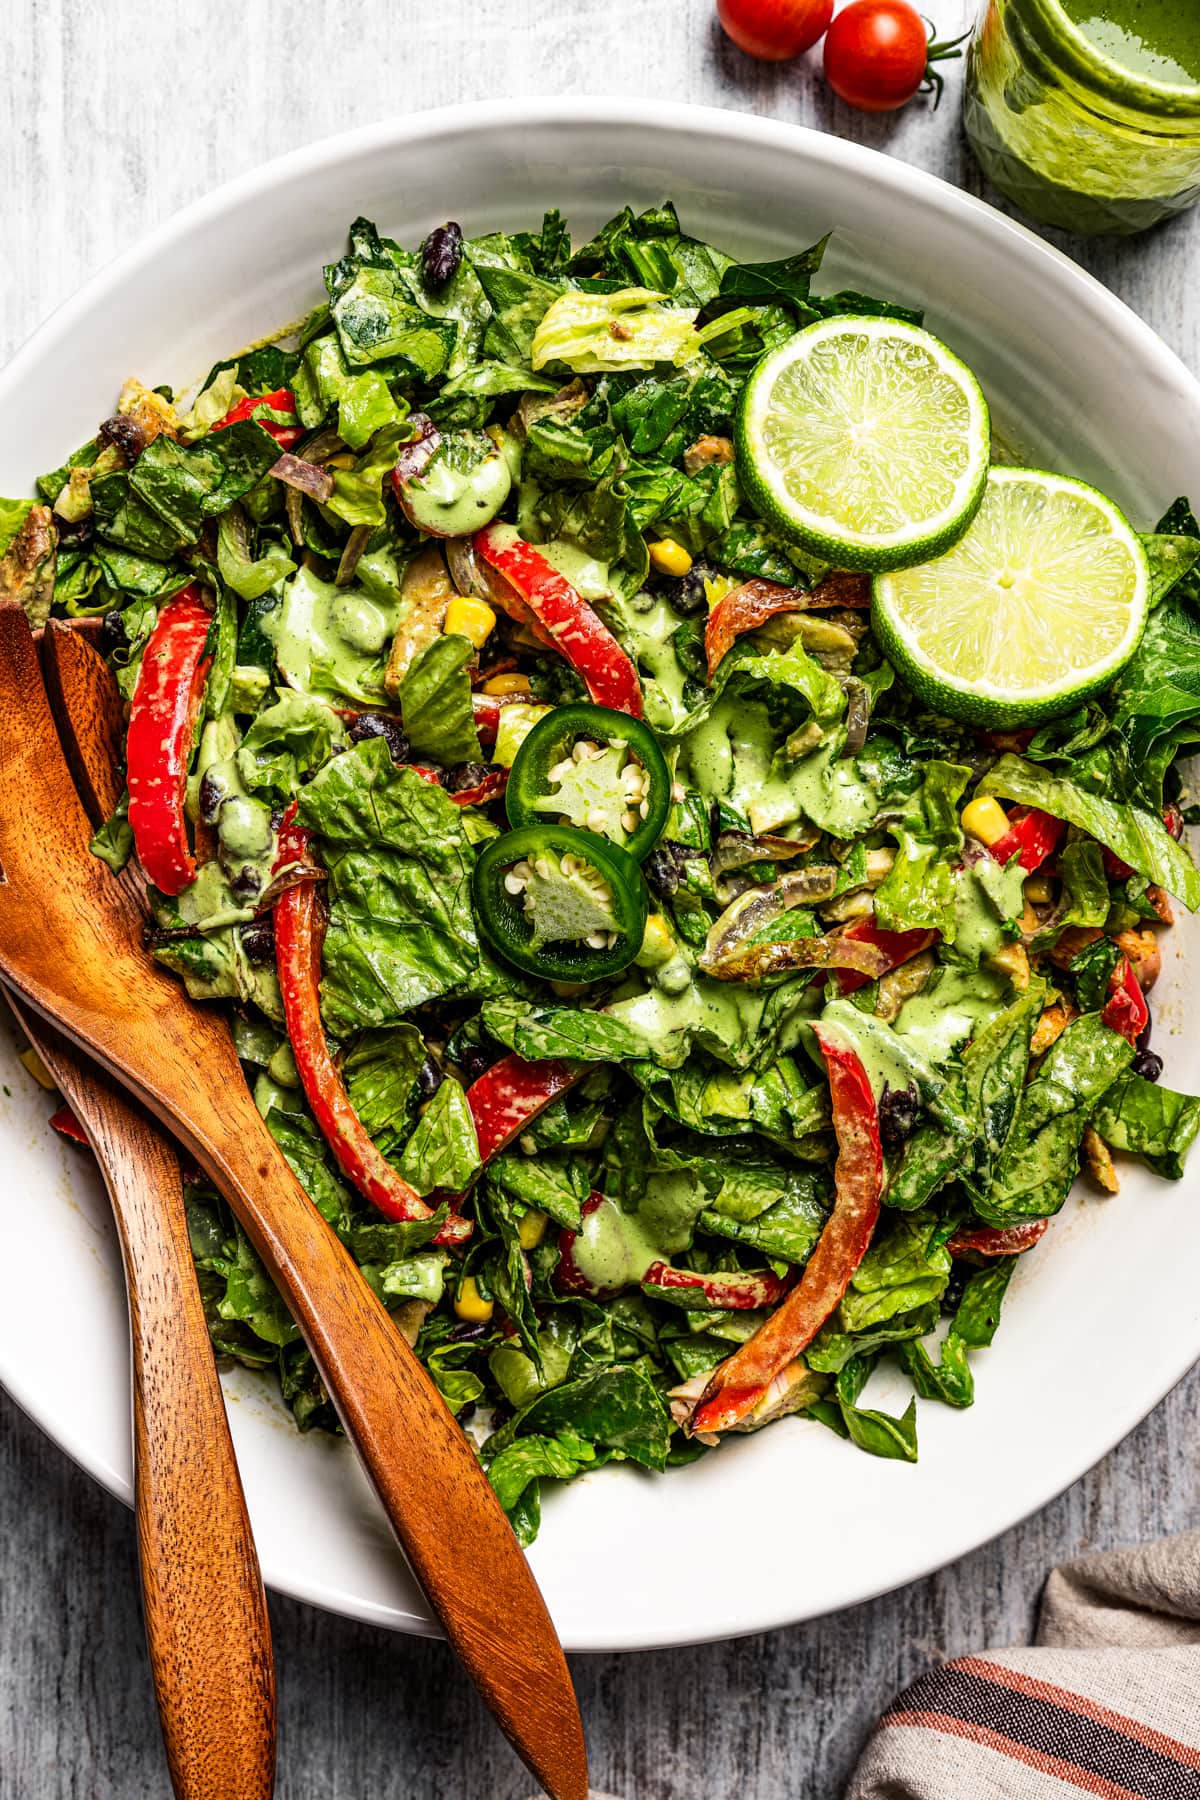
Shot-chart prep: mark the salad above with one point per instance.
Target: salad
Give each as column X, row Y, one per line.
column 682, row 832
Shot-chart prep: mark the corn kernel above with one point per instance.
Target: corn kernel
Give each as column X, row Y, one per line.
column 33, row 1064
column 1038, row 888
column 507, row 684
column 670, row 558
column 342, row 461
column 658, row 945
column 470, row 619
column 986, row 820
column 471, row 1305
column 531, row 1229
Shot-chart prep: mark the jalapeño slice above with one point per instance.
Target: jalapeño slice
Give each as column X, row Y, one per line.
column 600, row 769
column 563, row 904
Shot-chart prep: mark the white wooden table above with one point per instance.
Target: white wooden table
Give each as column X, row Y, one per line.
column 115, row 115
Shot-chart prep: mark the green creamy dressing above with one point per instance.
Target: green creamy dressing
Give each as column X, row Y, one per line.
column 207, row 903
column 614, row 1248
column 986, row 897
column 957, row 1004
column 245, row 835
column 679, row 1007
column 454, row 502
column 651, row 631
column 331, row 641
column 1158, row 39
column 730, row 755
column 888, row 1059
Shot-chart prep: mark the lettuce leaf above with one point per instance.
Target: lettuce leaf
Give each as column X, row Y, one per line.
column 1151, row 1121
column 401, row 925
column 632, row 329
column 1128, row 830
column 918, row 889
column 435, row 702
column 1033, row 1174
column 443, row 1151
column 536, row 1031
column 185, row 484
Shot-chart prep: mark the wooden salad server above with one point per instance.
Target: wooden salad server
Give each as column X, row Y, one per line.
column 70, row 944
column 206, row 1613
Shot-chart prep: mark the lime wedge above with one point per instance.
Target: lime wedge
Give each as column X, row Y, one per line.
column 1040, row 604
column 866, row 441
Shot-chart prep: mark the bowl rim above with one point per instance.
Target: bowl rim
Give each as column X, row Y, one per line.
column 818, row 149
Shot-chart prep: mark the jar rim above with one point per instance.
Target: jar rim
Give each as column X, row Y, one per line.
column 1068, row 44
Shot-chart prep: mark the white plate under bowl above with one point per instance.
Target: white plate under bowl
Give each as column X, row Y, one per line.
column 1100, row 1322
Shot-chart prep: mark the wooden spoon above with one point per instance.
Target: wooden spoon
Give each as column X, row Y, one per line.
column 206, row 1614
column 70, row 943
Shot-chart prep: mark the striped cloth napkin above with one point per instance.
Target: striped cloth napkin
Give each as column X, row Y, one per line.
column 1106, row 1702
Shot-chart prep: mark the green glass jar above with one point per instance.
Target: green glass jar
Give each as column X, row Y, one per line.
column 1086, row 113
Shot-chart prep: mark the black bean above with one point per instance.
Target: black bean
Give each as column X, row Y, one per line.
column 663, row 868
column 1147, row 1065
column 258, row 939
column 379, row 724
column 1143, row 1042
column 74, row 534
column 429, row 1079
column 686, row 593
column 441, row 254
column 899, row 1109
column 475, row 1061
column 210, row 797
column 246, row 884
column 125, row 434
column 464, row 1333
column 112, row 632
column 466, row 776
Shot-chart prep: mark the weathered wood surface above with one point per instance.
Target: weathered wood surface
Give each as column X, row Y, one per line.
column 111, row 118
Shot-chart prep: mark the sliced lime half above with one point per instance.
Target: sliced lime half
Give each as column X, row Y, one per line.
column 1042, row 602
column 865, row 440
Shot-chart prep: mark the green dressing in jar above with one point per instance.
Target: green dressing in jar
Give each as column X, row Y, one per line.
column 1086, row 113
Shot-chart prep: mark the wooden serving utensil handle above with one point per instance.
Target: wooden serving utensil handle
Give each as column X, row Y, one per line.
column 449, row 1523
column 207, row 1628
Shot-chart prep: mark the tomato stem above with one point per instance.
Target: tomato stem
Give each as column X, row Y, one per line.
column 934, row 82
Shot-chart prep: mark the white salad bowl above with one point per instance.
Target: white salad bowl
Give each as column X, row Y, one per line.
column 1101, row 1320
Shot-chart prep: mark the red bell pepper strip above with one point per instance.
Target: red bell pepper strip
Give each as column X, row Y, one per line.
column 510, row 1095
column 282, row 400
column 67, row 1125
column 162, row 723
column 299, row 933
column 733, row 1290
column 990, row 1240
column 900, row 946
column 1126, row 1010
column 740, row 1381
column 576, row 632
column 490, row 788
column 747, row 607
column 1032, row 838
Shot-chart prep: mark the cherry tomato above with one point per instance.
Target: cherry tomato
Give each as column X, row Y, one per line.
column 878, row 55
column 774, row 30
